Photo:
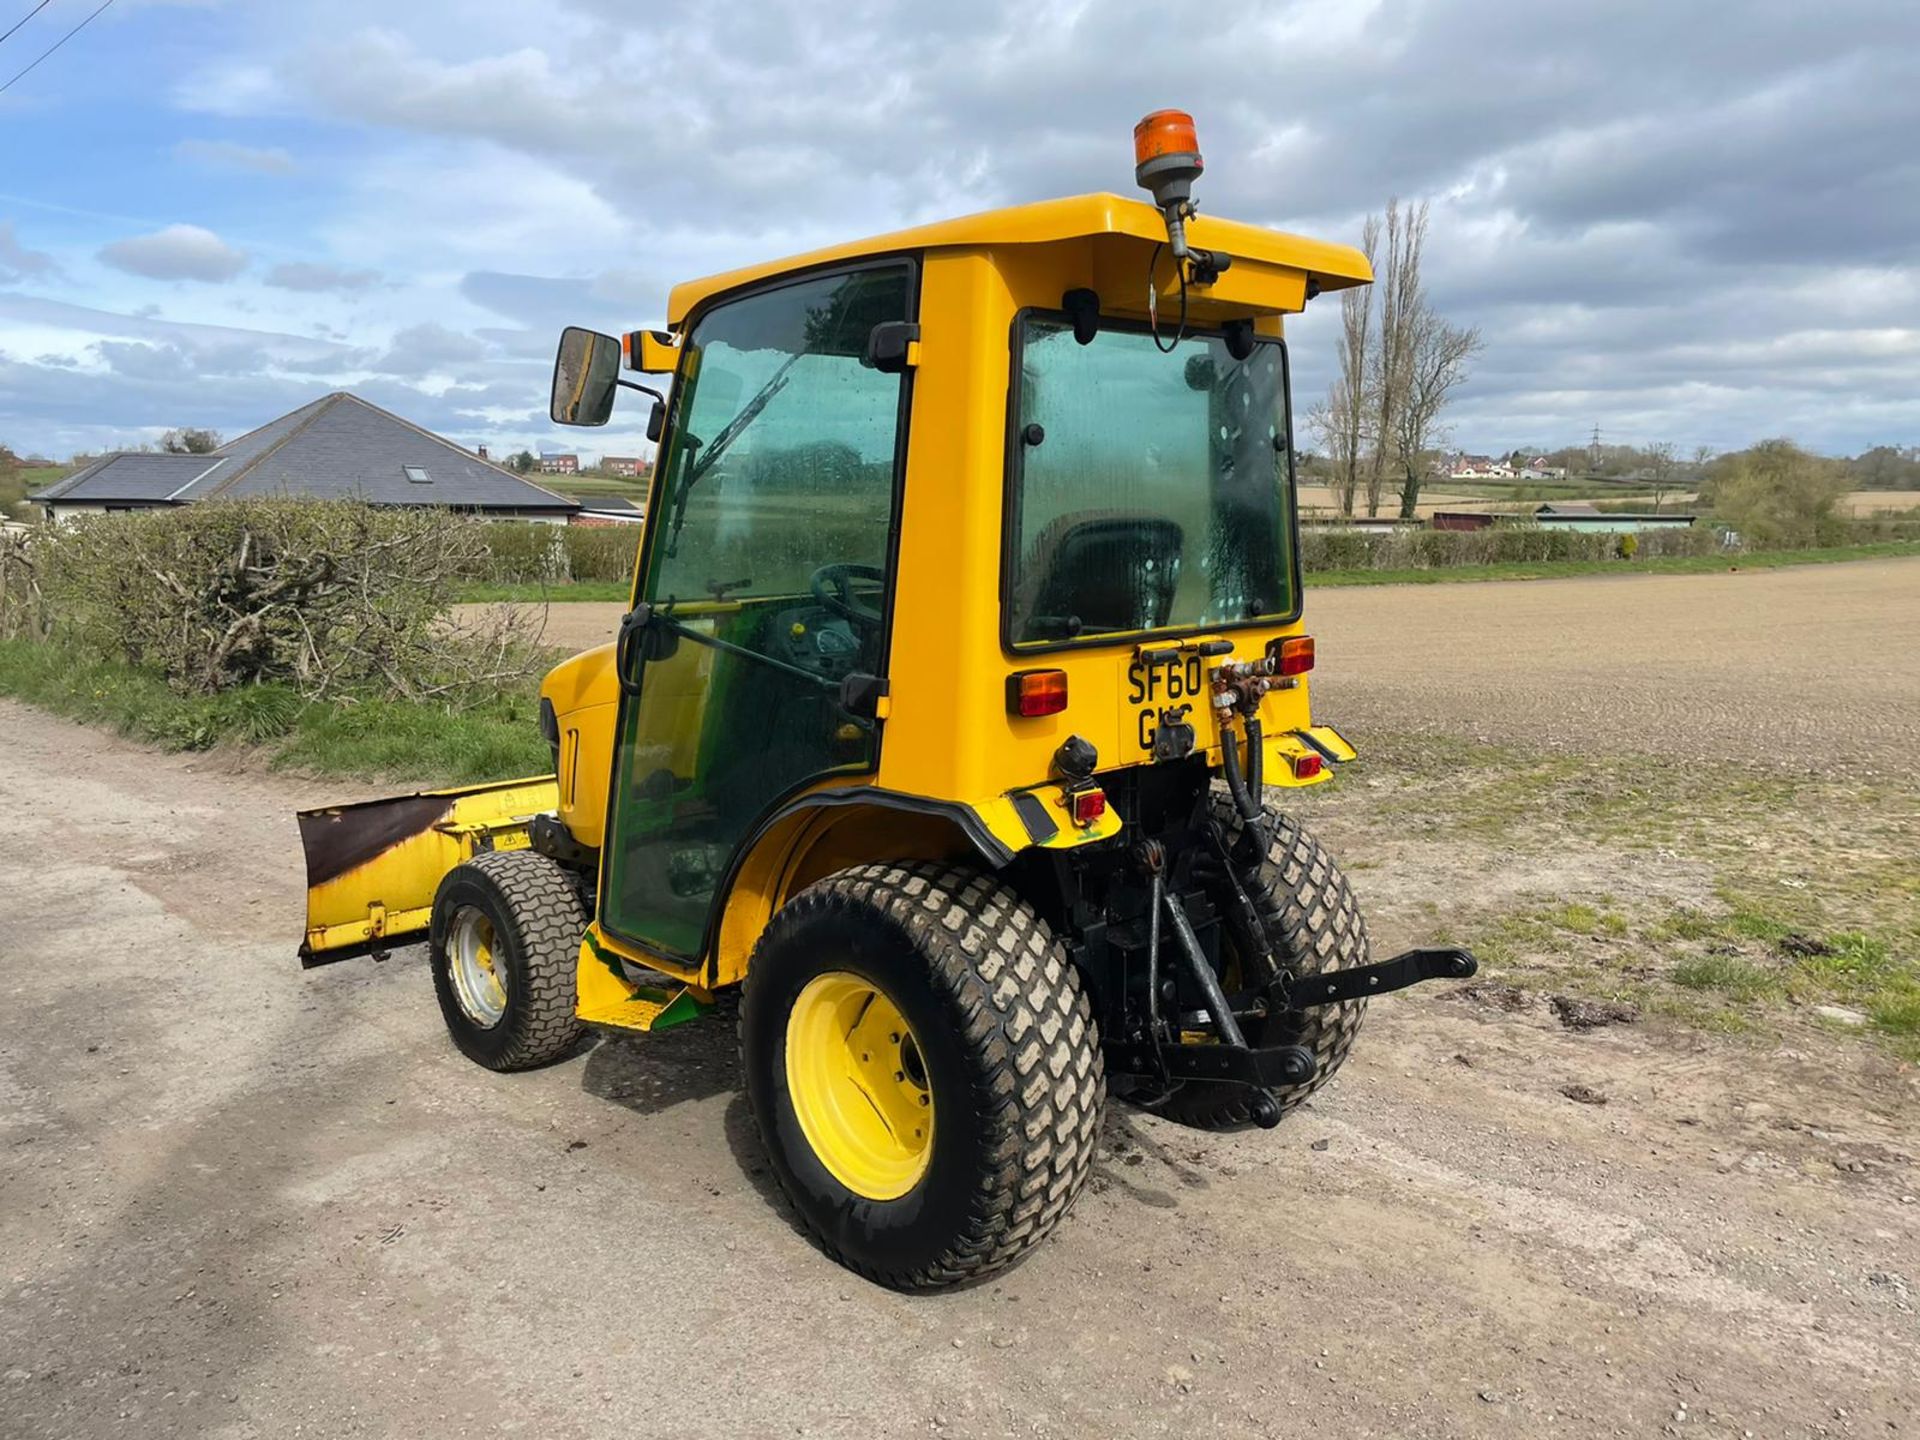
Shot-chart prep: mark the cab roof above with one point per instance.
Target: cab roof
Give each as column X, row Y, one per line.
column 1336, row 267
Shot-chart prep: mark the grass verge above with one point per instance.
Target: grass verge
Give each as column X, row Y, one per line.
column 1660, row 565
column 395, row 740
column 1741, row 902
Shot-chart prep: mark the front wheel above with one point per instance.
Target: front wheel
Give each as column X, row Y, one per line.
column 504, row 943
column 924, row 1070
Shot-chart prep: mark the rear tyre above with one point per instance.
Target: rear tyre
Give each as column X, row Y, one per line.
column 889, row 995
column 1312, row 925
column 504, row 941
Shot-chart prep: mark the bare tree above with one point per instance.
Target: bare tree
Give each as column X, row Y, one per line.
column 1400, row 305
column 1341, row 420
column 1660, row 470
column 1436, row 362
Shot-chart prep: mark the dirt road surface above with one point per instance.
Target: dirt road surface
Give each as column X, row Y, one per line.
column 240, row 1200
column 1811, row 665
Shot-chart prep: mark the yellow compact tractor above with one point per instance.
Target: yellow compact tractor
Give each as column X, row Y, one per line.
column 952, row 720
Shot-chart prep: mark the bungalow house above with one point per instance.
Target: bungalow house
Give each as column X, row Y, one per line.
column 340, row 447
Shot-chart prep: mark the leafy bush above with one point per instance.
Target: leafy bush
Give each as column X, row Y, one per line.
column 322, row 598
column 1775, row 493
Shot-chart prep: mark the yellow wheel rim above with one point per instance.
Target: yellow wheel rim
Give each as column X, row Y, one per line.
column 859, row 1085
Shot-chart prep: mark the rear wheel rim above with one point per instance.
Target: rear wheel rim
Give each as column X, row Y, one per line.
column 476, row 967
column 858, row 1082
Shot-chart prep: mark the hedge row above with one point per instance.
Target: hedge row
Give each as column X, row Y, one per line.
column 521, row 554
column 1350, row 549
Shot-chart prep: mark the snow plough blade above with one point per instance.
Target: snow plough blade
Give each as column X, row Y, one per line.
column 373, row 868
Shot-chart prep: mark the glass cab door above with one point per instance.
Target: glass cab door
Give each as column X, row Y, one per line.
column 765, row 588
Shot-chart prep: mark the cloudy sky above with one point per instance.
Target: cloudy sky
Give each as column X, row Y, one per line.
column 1673, row 219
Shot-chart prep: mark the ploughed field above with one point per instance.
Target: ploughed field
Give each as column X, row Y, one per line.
column 1811, row 668
column 1654, row 1171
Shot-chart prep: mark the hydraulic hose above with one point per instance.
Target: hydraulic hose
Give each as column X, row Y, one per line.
column 1256, row 762
column 1243, row 800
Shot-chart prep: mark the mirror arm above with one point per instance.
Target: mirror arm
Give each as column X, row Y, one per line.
column 643, row 389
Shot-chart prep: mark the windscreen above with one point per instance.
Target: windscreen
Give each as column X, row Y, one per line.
column 1150, row 488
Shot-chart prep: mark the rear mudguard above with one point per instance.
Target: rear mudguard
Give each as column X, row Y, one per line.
column 373, row 868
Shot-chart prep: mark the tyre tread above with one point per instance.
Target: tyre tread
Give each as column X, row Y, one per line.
column 1034, row 1052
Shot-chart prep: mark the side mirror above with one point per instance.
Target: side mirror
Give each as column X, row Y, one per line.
column 586, row 372
column 657, row 421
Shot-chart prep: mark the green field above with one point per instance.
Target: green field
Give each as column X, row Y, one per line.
column 579, row 487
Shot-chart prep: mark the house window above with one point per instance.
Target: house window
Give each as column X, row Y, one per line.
column 418, row 474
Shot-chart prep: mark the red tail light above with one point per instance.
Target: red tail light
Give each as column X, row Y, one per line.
column 1037, row 692
column 1087, row 806
column 1293, row 656
column 1305, row 767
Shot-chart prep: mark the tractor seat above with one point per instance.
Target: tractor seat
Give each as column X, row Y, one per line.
column 1108, row 570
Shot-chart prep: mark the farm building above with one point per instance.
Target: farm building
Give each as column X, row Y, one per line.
column 1572, row 515
column 340, row 447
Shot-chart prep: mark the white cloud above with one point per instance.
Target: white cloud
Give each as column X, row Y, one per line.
column 178, row 252
column 314, row 278
column 226, row 155
column 1663, row 222
column 16, row 261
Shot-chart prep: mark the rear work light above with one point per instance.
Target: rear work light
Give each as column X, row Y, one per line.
column 1305, row 767
column 1087, row 806
column 1292, row 656
column 1036, row 692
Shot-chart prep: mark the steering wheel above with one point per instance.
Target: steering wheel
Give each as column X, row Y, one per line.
column 832, row 586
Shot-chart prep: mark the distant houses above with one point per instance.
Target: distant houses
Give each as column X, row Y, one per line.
column 562, row 463
column 628, row 466
column 1487, row 467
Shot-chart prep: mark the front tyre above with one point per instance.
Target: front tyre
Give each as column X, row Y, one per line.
column 924, row 1070
column 504, row 943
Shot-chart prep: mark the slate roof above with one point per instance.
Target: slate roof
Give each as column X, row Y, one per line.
column 152, row 479
column 340, row 447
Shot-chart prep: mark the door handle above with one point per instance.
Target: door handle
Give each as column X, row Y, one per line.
column 861, row 694
column 632, row 625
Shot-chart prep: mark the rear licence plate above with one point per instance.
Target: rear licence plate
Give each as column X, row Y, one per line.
column 1149, row 689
